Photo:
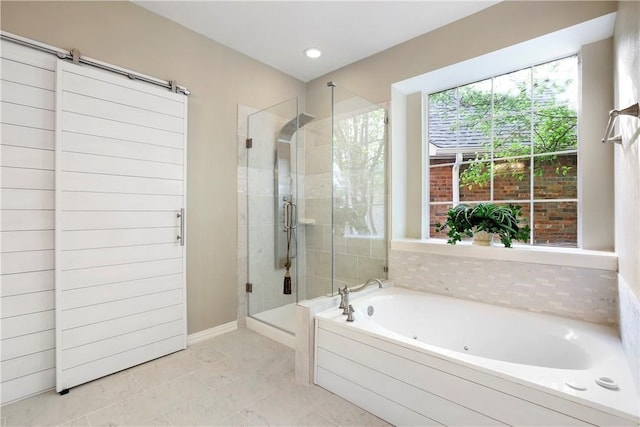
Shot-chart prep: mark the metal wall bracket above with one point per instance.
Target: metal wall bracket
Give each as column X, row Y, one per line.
column 249, row 287
column 249, row 142
column 632, row 110
column 75, row 56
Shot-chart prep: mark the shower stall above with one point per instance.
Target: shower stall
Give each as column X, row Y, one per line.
column 314, row 203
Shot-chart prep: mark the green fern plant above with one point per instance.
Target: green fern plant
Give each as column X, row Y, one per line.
column 503, row 220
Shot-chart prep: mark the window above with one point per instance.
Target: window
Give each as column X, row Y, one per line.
column 509, row 139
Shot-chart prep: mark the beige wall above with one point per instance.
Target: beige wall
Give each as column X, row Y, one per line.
column 503, row 25
column 595, row 188
column 129, row 36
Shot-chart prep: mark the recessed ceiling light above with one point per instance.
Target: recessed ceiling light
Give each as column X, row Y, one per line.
column 312, row 52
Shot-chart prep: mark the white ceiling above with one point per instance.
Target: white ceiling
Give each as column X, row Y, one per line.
column 277, row 32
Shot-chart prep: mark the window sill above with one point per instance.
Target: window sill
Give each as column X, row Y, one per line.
column 568, row 257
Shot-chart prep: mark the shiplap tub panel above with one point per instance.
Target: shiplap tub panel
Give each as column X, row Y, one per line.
column 27, row 170
column 414, row 371
column 120, row 283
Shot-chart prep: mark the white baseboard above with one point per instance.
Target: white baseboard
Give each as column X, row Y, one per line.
column 270, row 332
column 197, row 337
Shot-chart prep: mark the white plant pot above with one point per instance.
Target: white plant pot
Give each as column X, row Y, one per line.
column 482, row 238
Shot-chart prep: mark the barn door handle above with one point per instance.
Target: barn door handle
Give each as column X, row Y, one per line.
column 180, row 237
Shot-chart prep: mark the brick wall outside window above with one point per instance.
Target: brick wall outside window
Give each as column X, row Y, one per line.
column 555, row 223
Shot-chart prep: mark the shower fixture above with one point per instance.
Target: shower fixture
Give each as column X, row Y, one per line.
column 284, row 202
column 292, row 126
column 633, row 110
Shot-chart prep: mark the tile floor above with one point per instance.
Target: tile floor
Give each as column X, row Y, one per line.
column 237, row 379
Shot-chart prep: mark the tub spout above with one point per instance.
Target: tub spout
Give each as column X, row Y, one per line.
column 367, row 283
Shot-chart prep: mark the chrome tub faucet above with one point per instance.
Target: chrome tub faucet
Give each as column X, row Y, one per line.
column 347, row 309
column 344, row 299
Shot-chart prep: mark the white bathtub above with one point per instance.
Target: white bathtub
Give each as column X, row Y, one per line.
column 424, row 359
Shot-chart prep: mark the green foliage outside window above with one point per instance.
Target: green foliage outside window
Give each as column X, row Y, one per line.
column 510, row 118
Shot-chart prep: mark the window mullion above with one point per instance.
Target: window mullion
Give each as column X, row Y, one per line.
column 455, row 179
column 532, row 158
column 455, row 170
column 491, row 155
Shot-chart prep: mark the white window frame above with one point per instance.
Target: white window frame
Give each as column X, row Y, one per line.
column 458, row 162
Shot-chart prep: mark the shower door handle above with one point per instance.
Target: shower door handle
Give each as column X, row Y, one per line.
column 180, row 237
column 290, row 215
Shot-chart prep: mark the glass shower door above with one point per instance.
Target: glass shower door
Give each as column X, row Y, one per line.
column 272, row 187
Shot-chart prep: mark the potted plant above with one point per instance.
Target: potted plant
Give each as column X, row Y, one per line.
column 485, row 218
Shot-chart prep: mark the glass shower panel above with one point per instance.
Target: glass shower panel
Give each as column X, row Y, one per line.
column 359, row 189
column 272, row 198
column 315, row 227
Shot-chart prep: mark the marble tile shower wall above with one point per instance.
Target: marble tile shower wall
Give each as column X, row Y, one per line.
column 578, row 293
column 317, row 190
column 629, row 310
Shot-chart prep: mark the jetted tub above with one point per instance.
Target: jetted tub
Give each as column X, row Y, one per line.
column 414, row 358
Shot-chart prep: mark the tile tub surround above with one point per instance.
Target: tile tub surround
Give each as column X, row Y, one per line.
column 240, row 378
column 629, row 321
column 577, row 293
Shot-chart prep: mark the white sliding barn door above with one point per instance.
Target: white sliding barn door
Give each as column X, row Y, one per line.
column 120, row 183
column 27, row 227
